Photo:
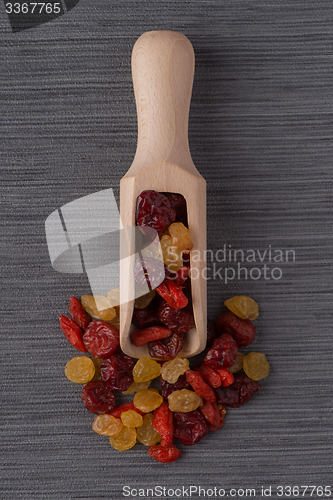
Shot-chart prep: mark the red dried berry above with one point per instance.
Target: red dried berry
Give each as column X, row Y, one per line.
column 182, row 275
column 210, row 376
column 177, row 320
column 221, row 419
column 199, row 385
column 222, row 353
column 178, row 203
column 189, row 427
column 163, row 423
column 125, row 407
column 145, row 317
column 242, row 330
column 167, row 389
column 227, row 377
column 164, row 454
column 153, row 209
column 101, row 339
column 211, row 334
column 78, row 313
column 149, row 271
column 238, row 393
column 168, row 348
column 211, row 413
column 72, row 332
column 117, row 371
column 142, row 337
column 98, row 397
column 173, row 294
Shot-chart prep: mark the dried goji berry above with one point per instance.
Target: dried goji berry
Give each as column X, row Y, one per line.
column 101, row 339
column 163, row 424
column 168, row 348
column 237, row 393
column 142, row 337
column 98, row 397
column 164, row 454
column 117, row 371
column 125, row 407
column 78, row 313
column 210, row 376
column 227, row 377
column 72, row 332
column 199, row 385
column 173, row 294
column 211, row 413
column 222, row 353
column 242, row 330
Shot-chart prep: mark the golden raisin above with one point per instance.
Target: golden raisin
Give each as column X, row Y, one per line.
column 144, row 301
column 238, row 364
column 147, row 400
column 171, row 370
column 131, row 418
column 181, row 237
column 146, row 369
column 80, row 370
column 243, row 306
column 184, row 401
column 98, row 306
column 146, row 434
column 136, row 387
column 256, row 366
column 114, row 297
column 125, row 440
column 98, row 363
column 107, row 425
column 172, row 255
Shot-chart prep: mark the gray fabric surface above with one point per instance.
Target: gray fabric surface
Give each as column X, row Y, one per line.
column 261, row 134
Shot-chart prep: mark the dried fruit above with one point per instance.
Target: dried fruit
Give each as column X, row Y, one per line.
column 189, row 428
column 172, row 255
column 211, row 334
column 78, row 313
column 178, row 203
column 163, row 424
column 147, row 400
column 114, row 297
column 148, row 271
column 142, row 337
column 180, row 236
column 125, row 407
column 142, row 318
column 177, row 320
column 222, row 353
column 173, row 294
column 144, row 301
column 99, row 307
column 172, row 369
column 167, row 388
column 146, row 434
column 98, row 397
column 101, row 339
column 131, row 418
column 136, row 387
column 244, row 307
column 153, row 209
column 242, row 330
column 182, row 275
column 238, row 364
column 117, row 371
column 184, row 401
column 227, row 377
column 211, row 413
column 107, row 425
column 146, row 369
column 199, row 385
column 211, row 376
column 72, row 332
column 168, row 348
column 164, row 454
column 239, row 392
column 125, row 440
column 98, row 364
column 80, row 370
column 256, row 366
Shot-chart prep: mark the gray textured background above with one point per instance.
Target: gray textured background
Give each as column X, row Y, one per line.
column 261, row 133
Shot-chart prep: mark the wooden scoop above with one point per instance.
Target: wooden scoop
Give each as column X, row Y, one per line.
column 163, row 70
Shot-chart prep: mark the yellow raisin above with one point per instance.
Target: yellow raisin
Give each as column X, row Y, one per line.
column 146, row 369
column 125, row 440
column 98, row 363
column 238, row 364
column 172, row 255
column 107, row 425
column 146, row 434
column 116, row 320
column 147, row 400
column 171, row 370
column 181, row 237
column 144, row 300
column 256, row 366
column 131, row 418
column 114, row 297
column 80, row 370
column 136, row 387
column 184, row 401
column 243, row 306
column 98, row 306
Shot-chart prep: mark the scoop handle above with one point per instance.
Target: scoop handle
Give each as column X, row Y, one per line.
column 163, row 71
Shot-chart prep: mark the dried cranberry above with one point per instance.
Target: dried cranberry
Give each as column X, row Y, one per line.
column 78, row 313
column 98, row 397
column 149, row 271
column 167, row 389
column 189, row 427
column 178, row 203
column 167, row 348
column 101, row 339
column 149, row 334
column 211, row 334
column 182, row 275
column 153, row 209
column 222, row 353
column 177, row 320
column 142, row 318
column 117, row 371
column 239, row 392
column 242, row 330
